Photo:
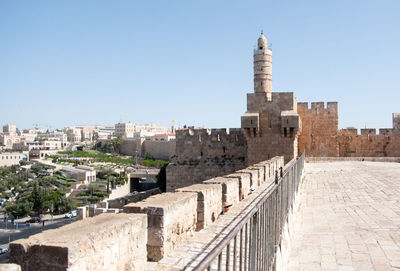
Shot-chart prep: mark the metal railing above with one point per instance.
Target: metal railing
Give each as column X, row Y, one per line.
column 252, row 243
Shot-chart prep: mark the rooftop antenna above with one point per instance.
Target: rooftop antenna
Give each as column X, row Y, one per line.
column 262, row 32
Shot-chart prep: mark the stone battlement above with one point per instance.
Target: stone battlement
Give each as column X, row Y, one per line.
column 366, row 132
column 318, row 107
column 193, row 132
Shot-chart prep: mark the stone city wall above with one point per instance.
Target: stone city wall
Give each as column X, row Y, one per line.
column 319, row 132
column 165, row 222
column 163, row 150
column 273, row 136
column 203, row 154
column 368, row 143
column 209, row 202
column 171, row 218
column 119, row 203
column 114, row 205
column 105, row 242
column 131, row 146
column 191, row 250
column 121, row 190
column 320, row 136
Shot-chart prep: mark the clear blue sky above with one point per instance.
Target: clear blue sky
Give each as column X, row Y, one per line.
column 95, row 62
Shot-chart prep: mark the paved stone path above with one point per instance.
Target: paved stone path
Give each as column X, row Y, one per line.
column 348, row 218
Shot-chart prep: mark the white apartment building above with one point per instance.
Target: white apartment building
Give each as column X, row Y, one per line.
column 52, row 144
column 151, row 128
column 9, row 129
column 74, row 134
column 125, row 130
column 55, row 135
column 12, row 158
column 131, row 130
column 105, row 132
column 163, row 137
column 81, row 173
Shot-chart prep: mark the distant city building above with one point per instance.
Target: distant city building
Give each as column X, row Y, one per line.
column 81, row 173
column 9, row 129
column 131, row 130
column 125, row 130
column 73, row 134
column 12, row 158
column 163, row 137
column 86, row 132
column 104, row 132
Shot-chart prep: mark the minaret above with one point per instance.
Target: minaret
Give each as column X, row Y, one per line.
column 263, row 68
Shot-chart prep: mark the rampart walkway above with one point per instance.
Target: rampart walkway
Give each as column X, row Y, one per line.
column 348, row 218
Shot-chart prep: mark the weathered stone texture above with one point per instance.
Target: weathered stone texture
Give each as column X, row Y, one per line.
column 209, row 202
column 230, row 189
column 272, row 138
column 320, row 136
column 105, row 242
column 122, row 201
column 9, row 267
column 171, row 218
column 203, row 154
column 254, row 175
column 319, row 132
column 369, row 144
column 244, row 183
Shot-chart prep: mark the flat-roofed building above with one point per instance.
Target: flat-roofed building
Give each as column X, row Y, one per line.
column 12, row 158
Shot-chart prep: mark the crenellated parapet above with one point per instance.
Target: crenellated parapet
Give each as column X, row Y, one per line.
column 318, row 108
column 367, row 143
column 319, row 122
column 205, row 153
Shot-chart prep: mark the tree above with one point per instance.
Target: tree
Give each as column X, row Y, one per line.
column 37, row 199
column 19, row 209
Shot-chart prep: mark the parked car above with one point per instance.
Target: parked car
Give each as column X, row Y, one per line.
column 34, row 220
column 70, row 214
column 4, row 250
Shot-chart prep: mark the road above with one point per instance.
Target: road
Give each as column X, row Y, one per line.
column 10, row 233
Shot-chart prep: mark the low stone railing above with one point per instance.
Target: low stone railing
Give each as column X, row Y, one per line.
column 106, row 242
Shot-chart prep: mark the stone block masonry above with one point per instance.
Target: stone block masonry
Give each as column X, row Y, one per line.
column 209, row 202
column 230, row 189
column 278, row 129
column 171, row 218
column 320, row 136
column 319, row 129
column 244, row 183
column 203, row 154
column 254, row 176
column 10, row 267
column 105, row 242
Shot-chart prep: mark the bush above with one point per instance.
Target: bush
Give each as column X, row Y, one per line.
column 154, row 163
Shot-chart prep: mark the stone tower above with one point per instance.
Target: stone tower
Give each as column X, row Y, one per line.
column 263, row 68
column 396, row 122
column 271, row 123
